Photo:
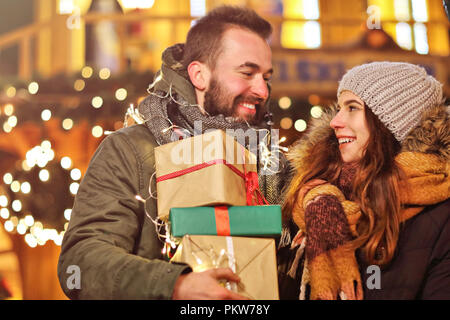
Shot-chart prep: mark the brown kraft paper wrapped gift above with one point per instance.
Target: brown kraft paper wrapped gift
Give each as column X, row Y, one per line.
column 204, row 170
column 252, row 259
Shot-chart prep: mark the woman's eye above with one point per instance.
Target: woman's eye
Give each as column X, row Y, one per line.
column 351, row 108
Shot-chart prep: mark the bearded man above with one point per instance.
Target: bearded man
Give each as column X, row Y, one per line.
column 218, row 78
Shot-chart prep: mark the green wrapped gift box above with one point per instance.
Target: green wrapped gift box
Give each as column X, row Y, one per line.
column 256, row 221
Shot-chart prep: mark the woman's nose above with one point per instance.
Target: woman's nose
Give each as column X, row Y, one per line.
column 337, row 121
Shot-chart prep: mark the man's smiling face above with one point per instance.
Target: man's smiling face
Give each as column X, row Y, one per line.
column 239, row 81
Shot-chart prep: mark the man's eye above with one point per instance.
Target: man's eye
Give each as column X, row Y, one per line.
column 247, row 74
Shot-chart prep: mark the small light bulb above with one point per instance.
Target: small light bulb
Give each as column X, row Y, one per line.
column 9, row 109
column 284, row 103
column 97, row 131
column 66, row 162
column 9, row 226
column 74, row 188
column 3, row 201
column 4, row 213
column 8, row 178
column 11, row 92
column 67, row 124
column 15, row 186
column 33, row 87
column 46, row 115
column 75, row 174
column 316, row 111
column 44, row 175
column 104, row 73
column 29, row 220
column 121, row 94
column 79, row 85
column 16, row 205
column 300, row 125
column 86, row 72
column 25, row 187
column 46, row 144
column 67, row 213
column 97, row 102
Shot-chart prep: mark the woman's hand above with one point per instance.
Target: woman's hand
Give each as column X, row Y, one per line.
column 352, row 293
column 308, row 186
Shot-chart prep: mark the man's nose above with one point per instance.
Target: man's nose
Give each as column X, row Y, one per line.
column 260, row 88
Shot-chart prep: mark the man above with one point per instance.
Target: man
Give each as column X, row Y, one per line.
column 220, row 78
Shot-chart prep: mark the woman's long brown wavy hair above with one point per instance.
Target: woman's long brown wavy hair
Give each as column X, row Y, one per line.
column 375, row 188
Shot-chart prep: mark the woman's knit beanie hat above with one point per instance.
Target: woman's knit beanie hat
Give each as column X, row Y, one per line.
column 396, row 92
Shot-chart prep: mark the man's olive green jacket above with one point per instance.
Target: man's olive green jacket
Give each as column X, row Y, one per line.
column 109, row 237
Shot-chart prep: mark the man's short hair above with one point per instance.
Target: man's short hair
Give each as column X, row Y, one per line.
column 204, row 39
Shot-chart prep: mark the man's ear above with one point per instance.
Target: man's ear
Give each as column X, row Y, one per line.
column 199, row 75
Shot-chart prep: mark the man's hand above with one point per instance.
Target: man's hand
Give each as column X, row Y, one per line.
column 205, row 286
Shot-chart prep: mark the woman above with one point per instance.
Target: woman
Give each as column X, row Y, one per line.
column 371, row 187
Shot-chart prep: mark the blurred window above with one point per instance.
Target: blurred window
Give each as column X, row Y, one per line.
column 302, row 30
column 408, row 23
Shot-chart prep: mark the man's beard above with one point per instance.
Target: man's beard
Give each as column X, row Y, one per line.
column 216, row 103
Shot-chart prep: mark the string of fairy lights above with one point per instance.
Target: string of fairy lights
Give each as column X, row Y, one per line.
column 36, row 196
column 99, row 93
column 16, row 212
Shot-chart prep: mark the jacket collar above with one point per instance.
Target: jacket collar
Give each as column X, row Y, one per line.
column 172, row 76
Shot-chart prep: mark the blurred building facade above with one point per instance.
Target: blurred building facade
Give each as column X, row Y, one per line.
column 314, row 41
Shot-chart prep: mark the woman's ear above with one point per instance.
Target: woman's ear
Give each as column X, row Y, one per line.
column 199, row 75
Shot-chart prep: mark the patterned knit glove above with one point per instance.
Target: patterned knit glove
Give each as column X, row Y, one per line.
column 332, row 266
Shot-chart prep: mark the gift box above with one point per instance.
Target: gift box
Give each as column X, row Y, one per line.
column 225, row 221
column 252, row 259
column 204, row 170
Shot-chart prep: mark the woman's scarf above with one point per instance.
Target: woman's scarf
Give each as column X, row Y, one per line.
column 334, row 270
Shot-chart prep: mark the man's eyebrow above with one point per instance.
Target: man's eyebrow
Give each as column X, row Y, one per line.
column 253, row 65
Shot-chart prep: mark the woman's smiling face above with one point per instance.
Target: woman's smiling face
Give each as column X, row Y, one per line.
column 350, row 127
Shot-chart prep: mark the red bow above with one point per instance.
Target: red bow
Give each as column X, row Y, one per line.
column 254, row 195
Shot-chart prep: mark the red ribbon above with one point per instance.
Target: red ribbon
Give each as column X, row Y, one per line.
column 222, row 220
column 253, row 193
column 197, row 167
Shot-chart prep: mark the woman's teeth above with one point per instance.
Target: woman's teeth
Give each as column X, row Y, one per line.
column 345, row 140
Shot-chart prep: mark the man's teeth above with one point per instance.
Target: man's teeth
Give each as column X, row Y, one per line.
column 248, row 106
column 345, row 140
